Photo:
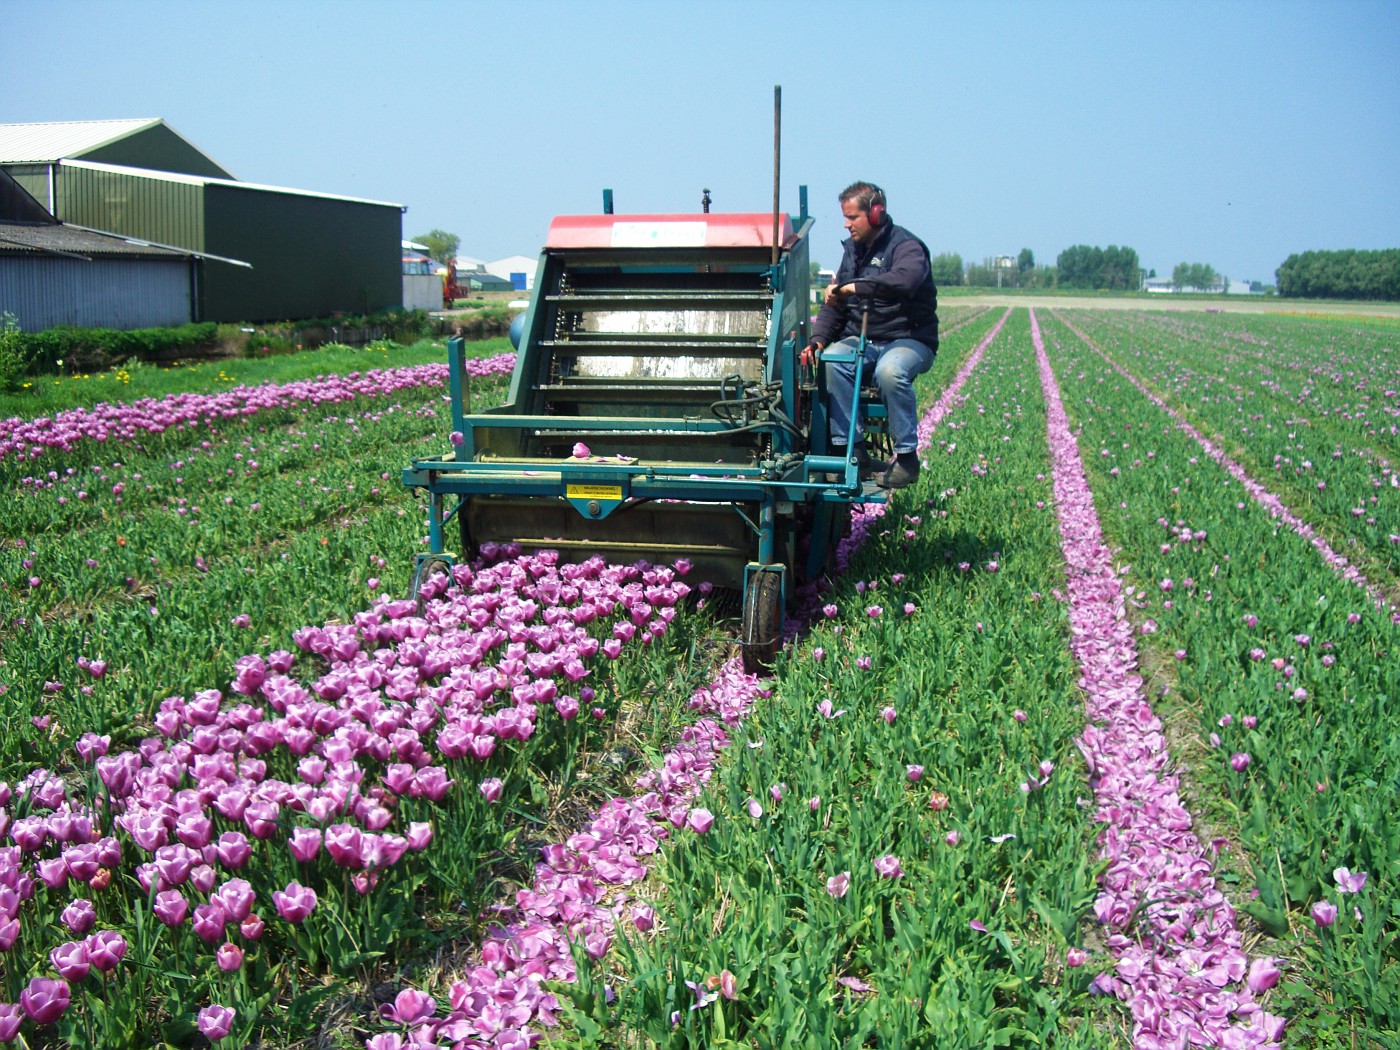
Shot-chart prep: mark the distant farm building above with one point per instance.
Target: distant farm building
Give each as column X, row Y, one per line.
column 481, row 281
column 519, row 270
column 53, row 274
column 263, row 253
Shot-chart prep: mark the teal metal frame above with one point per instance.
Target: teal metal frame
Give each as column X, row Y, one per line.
column 796, row 470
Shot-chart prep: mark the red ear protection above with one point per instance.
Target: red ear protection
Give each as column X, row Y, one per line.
column 876, row 210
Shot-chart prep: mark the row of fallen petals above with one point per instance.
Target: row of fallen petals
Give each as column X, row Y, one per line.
column 1172, row 931
column 22, row 439
column 579, row 895
column 1261, row 495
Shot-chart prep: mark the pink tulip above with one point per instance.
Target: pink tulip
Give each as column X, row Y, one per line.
column 236, row 897
column 171, row 907
column 80, row 916
column 71, row 960
column 208, row 923
column 699, row 820
column 295, row 903
column 419, row 835
column 215, row 1022
column 304, row 843
column 1349, row 882
column 233, row 849
column 344, row 842
column 837, row 885
column 1324, row 913
column 105, row 949
column 11, row 1016
column 888, row 867
column 45, row 1000
column 229, row 957
column 410, row 1007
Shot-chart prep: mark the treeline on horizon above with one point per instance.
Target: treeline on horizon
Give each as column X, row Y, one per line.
column 1345, row 274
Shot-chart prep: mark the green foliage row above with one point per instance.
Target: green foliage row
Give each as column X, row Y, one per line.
column 1275, row 658
column 1348, row 274
column 65, row 347
column 965, row 947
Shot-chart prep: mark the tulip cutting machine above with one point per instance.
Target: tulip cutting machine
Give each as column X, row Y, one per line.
column 659, row 410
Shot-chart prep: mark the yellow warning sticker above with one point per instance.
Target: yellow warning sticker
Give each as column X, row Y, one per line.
column 593, row 491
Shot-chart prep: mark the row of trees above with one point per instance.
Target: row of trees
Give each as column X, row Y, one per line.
column 1112, row 268
column 1199, row 277
column 1349, row 274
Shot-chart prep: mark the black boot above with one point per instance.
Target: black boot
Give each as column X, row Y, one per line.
column 904, row 471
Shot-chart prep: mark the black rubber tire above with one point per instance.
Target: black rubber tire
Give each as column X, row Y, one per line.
column 424, row 572
column 762, row 624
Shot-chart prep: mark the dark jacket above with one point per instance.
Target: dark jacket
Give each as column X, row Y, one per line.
column 893, row 277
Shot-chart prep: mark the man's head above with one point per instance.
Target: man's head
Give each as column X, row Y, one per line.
column 863, row 207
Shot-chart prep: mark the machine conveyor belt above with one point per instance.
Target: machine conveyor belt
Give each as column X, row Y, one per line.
column 661, row 300
column 605, row 343
column 648, row 391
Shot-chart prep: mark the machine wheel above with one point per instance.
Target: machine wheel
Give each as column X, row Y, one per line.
column 762, row 631
column 468, row 544
column 426, row 568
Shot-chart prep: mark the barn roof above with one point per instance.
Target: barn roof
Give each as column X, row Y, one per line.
column 58, row 239
column 48, row 141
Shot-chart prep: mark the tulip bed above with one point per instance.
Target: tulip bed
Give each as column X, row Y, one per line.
column 243, row 780
column 1311, row 408
column 1277, row 658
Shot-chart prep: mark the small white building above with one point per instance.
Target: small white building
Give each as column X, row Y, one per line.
column 422, row 287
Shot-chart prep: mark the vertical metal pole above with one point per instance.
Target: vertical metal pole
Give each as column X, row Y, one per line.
column 777, row 153
column 456, row 369
column 434, row 521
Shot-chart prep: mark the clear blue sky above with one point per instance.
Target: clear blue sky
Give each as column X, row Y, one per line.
column 1228, row 133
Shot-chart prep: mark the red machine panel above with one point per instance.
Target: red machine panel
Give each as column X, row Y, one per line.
column 737, row 230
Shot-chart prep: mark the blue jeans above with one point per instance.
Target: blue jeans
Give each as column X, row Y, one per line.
column 896, row 363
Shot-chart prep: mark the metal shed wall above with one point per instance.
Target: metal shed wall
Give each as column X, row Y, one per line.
column 42, row 291
column 160, row 210
column 312, row 256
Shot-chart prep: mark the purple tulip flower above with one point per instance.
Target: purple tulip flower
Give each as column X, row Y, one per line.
column 215, row 1022
column 45, row 999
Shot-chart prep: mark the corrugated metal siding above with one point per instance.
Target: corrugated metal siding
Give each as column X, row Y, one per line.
column 311, row 256
column 157, row 210
column 104, row 293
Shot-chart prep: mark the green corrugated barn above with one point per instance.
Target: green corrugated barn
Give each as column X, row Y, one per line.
column 270, row 253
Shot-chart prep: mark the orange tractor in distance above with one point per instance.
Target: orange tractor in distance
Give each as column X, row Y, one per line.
column 451, row 289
